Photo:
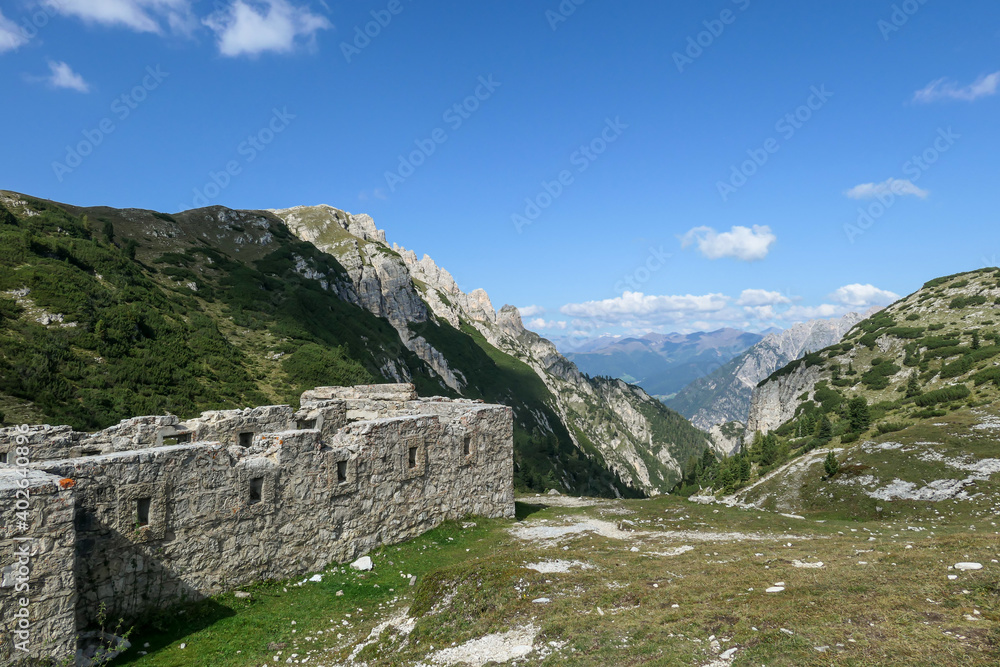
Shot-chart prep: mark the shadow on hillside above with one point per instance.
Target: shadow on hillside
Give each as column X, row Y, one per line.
column 523, row 510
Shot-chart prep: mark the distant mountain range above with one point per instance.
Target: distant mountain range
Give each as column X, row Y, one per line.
column 662, row 364
column 724, row 395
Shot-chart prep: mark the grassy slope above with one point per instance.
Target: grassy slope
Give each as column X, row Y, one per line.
column 881, row 597
column 926, row 339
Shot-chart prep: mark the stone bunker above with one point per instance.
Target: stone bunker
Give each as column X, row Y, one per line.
column 156, row 510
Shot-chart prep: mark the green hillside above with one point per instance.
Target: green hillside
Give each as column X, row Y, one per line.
column 907, row 403
column 107, row 314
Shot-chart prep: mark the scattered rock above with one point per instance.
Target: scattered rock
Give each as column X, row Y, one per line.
column 276, row 646
column 798, row 563
column 557, row 566
column 496, row 648
column 774, row 589
column 968, row 566
column 554, row 492
column 242, row 595
column 363, row 564
column 541, row 600
column 316, row 578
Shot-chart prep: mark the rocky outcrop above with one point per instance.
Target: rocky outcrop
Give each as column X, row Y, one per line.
column 775, row 402
column 379, row 280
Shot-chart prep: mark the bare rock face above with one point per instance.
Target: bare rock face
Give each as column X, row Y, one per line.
column 775, row 402
column 380, row 281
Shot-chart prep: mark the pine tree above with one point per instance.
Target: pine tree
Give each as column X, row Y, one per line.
column 859, row 415
column 744, row 468
column 824, row 429
column 975, row 340
column 913, row 386
column 769, row 449
column 831, row 465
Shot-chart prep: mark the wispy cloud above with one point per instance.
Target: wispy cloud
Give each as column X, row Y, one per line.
column 861, row 296
column 636, row 308
column 540, row 324
column 945, row 89
column 63, row 76
column 531, row 311
column 252, row 27
column 11, row 37
column 741, row 243
column 896, row 186
column 139, row 15
column 760, row 297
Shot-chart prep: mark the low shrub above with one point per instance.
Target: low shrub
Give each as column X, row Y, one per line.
column 891, row 427
column 945, row 395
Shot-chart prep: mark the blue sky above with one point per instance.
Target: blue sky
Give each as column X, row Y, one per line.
column 609, row 167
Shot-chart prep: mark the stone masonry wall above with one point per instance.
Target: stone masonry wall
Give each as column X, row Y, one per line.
column 268, row 493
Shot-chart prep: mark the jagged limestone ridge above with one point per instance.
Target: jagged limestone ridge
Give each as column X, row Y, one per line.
column 605, row 420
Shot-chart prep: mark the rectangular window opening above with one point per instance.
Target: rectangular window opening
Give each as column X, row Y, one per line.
column 3, row 457
column 341, row 472
column 142, row 511
column 306, row 424
column 184, row 438
column 256, row 490
column 413, row 458
column 246, row 438
column 466, row 446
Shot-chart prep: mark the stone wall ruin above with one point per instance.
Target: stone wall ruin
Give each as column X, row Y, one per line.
column 156, row 510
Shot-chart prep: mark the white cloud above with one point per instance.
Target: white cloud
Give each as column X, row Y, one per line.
column 11, row 37
column 531, row 311
column 739, row 242
column 863, row 295
column 804, row 313
column 637, row 309
column 760, row 297
column 540, row 324
column 943, row 89
column 63, row 76
column 896, row 186
column 252, row 27
column 138, row 15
